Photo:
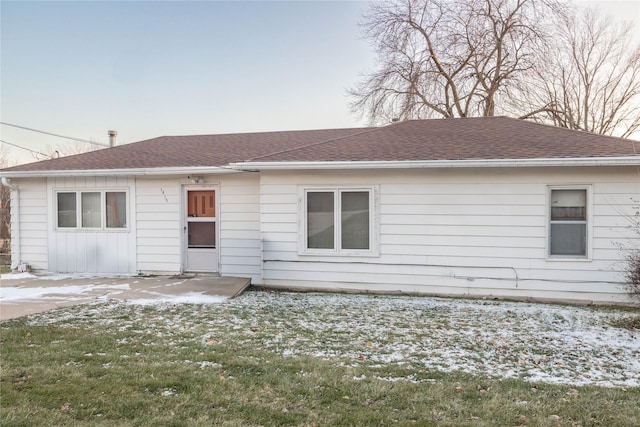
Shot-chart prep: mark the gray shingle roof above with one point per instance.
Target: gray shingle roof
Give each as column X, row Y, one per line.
column 415, row 140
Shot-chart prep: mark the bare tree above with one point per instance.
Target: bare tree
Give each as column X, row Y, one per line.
column 70, row 149
column 448, row 58
column 592, row 82
column 5, row 205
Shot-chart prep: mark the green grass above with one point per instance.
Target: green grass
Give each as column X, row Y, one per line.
column 210, row 365
column 5, row 269
column 630, row 322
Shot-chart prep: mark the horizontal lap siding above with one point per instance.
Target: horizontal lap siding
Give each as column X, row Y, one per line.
column 240, row 246
column 160, row 222
column 33, row 223
column 158, row 225
column 466, row 232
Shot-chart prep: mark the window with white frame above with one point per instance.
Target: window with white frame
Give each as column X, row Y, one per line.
column 568, row 223
column 338, row 221
column 91, row 209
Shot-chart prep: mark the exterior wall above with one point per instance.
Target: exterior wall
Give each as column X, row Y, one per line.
column 476, row 232
column 153, row 241
column 91, row 250
column 158, row 225
column 33, row 224
column 160, row 222
column 240, row 237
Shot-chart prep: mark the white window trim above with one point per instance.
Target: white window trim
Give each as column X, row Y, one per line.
column 374, row 222
column 103, row 216
column 589, row 226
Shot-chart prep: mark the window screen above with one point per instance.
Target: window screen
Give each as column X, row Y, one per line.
column 116, row 209
column 67, row 210
column 91, row 210
column 355, row 219
column 320, row 220
column 338, row 220
column 568, row 228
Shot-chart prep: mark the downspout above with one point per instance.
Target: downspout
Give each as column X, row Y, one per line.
column 15, row 249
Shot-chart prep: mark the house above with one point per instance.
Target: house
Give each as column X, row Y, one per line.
column 490, row 207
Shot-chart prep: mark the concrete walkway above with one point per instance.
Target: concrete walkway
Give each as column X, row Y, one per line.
column 24, row 294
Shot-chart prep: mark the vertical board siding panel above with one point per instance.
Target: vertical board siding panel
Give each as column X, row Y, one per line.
column 92, row 249
column 89, row 251
column 102, row 253
column 80, row 242
column 451, row 220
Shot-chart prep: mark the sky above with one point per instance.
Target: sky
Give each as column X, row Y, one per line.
column 153, row 68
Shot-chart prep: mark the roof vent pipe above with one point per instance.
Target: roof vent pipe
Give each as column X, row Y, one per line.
column 112, row 138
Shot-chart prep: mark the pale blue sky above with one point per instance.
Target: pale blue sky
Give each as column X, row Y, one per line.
column 155, row 68
column 164, row 68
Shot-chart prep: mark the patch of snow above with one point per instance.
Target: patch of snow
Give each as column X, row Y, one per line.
column 168, row 392
column 402, row 338
column 185, row 298
column 206, row 364
column 55, row 292
column 16, row 276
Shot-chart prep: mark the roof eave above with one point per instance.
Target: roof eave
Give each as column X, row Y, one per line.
column 332, row 165
column 426, row 164
column 200, row 170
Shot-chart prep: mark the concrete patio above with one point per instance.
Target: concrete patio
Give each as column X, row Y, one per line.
column 24, row 294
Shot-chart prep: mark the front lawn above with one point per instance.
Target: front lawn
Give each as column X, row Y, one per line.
column 269, row 358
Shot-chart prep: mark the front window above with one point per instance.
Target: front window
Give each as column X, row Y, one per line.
column 116, row 209
column 91, row 217
column 338, row 221
column 568, row 223
column 354, row 220
column 66, row 210
column 91, row 209
column 320, row 220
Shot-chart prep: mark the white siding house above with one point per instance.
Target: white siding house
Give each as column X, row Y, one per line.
column 479, row 232
column 490, row 207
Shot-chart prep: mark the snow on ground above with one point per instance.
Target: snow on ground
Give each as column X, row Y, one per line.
column 54, row 277
column 81, row 292
column 414, row 336
column 184, row 298
column 16, row 276
column 128, row 292
column 70, row 292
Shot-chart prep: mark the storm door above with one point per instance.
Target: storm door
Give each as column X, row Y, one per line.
column 201, row 230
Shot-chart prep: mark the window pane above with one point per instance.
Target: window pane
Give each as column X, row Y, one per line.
column 320, row 218
column 116, row 209
column 568, row 205
column 202, row 235
column 91, row 210
column 568, row 239
column 355, row 219
column 201, row 203
column 66, row 209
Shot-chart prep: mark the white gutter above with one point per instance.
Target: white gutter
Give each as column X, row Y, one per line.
column 425, row 164
column 397, row 164
column 15, row 237
column 120, row 172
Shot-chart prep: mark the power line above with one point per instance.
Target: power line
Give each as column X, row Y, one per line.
column 33, row 152
column 56, row 135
